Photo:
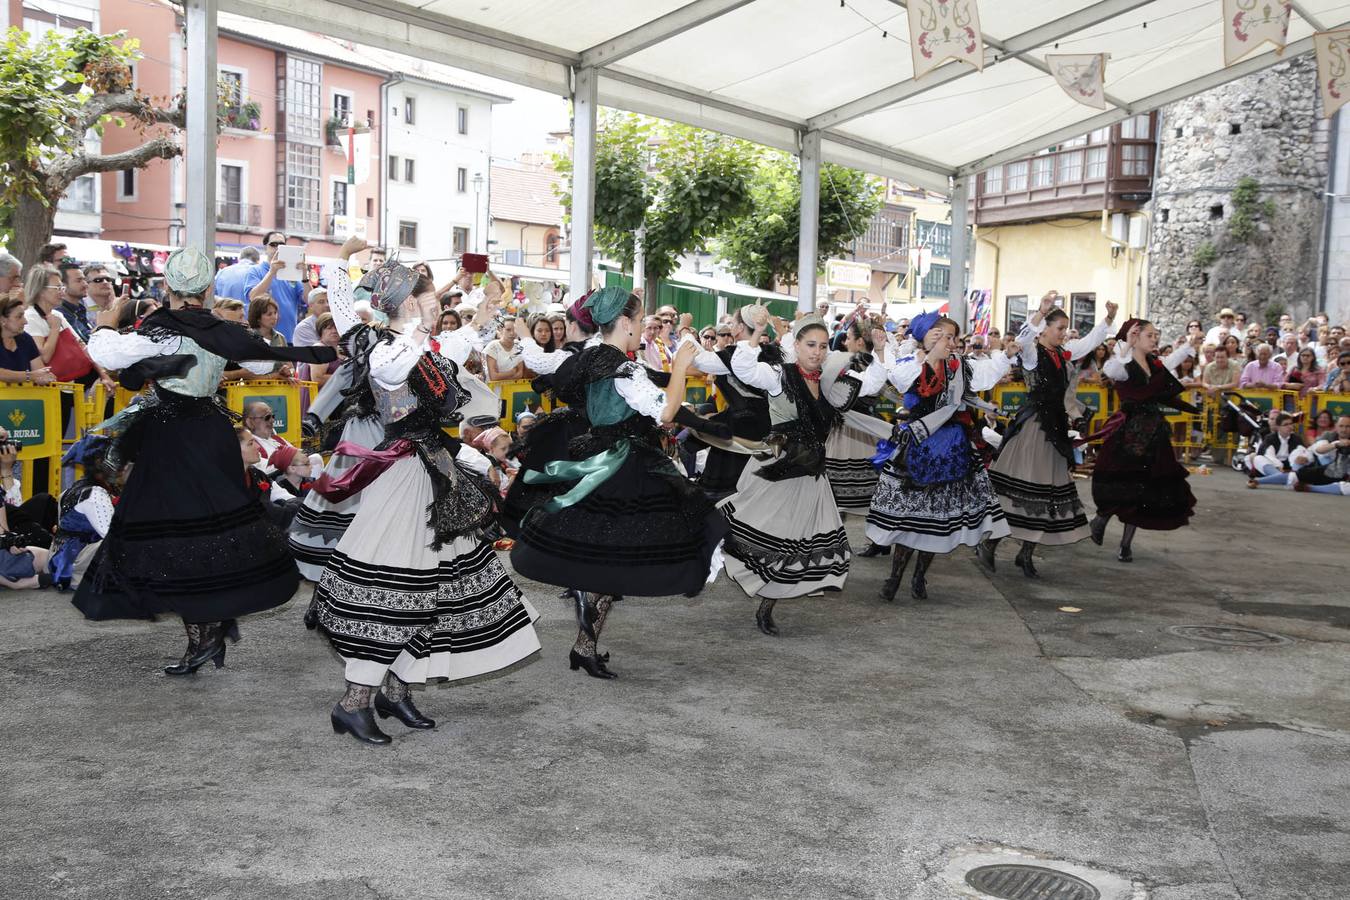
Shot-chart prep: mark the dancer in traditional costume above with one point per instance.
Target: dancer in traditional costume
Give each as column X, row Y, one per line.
column 628, row 523
column 850, row 447
column 1137, row 477
column 934, row 493
column 411, row 591
column 786, row 538
column 186, row 536
column 1033, row 472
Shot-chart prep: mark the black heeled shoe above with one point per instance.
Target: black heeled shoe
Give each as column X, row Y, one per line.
column 889, row 588
column 359, row 724
column 1027, row 564
column 591, row 665
column 230, row 629
column 1125, row 555
column 312, row 616
column 874, row 549
column 1097, row 530
column 918, row 587
column 403, row 710
column 984, row 552
column 194, row 659
column 764, row 621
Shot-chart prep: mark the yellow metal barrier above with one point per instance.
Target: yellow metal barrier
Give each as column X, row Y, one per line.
column 32, row 416
column 517, row 396
column 282, row 396
column 1337, row 404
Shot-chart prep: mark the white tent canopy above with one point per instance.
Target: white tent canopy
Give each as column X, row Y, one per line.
column 791, row 73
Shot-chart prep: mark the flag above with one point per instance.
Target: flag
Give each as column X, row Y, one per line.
column 1247, row 24
column 940, row 30
column 1333, row 68
column 1081, row 75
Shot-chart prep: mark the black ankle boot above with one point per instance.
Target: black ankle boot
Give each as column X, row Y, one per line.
column 312, row 615
column 891, row 586
column 985, row 552
column 212, row 648
column 1097, row 530
column 360, row 724
column 875, row 549
column 764, row 618
column 403, row 710
column 1026, row 562
column 918, row 587
column 591, row 665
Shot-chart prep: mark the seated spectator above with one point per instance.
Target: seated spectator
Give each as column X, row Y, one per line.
column 495, row 443
column 86, row 512
column 1222, row 374
column 278, row 502
column 1262, row 373
column 296, row 472
column 261, row 422
column 1324, row 424
column 1329, row 472
column 1271, row 463
column 1304, row 375
column 524, row 422
column 1338, row 377
column 30, row 521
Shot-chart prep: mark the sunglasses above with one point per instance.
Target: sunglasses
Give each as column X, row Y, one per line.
column 267, row 418
column 100, row 280
column 276, row 243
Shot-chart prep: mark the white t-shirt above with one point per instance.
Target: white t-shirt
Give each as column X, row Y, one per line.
column 505, row 359
column 35, row 323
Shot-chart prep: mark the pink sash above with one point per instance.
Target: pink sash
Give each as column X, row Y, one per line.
column 360, row 476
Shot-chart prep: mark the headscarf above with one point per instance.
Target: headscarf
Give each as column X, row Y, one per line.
column 188, row 271
column 389, row 283
column 606, row 304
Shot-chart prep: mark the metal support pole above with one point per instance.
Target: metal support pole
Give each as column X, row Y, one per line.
column 810, row 221
column 200, row 136
column 956, row 287
column 583, row 179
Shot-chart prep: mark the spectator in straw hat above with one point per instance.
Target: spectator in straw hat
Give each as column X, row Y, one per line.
column 1227, row 325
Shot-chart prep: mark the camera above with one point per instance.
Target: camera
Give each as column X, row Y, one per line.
column 15, row 444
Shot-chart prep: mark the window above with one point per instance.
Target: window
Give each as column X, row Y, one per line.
column 410, row 116
column 1100, row 136
column 1166, row 214
column 302, row 188
column 407, row 234
column 1080, row 141
column 409, row 170
column 1017, row 176
column 303, row 99
column 1134, row 160
column 1082, row 312
column 79, row 197
column 393, row 168
column 342, row 107
column 230, row 85
column 1216, row 211
column 1043, row 171
column 339, row 207
column 1071, row 167
column 551, row 243
column 462, row 120
column 461, row 241
column 937, row 281
column 1016, row 305
column 937, row 236
column 126, row 184
column 462, row 180
column 993, row 180
column 370, row 207
column 1137, row 128
column 1096, row 163
column 231, row 200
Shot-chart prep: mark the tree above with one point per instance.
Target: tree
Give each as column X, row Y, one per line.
column 53, row 91
column 762, row 247
column 684, row 184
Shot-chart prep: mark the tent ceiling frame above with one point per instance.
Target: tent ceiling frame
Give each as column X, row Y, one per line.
column 660, row 29
column 1146, row 104
column 1014, row 47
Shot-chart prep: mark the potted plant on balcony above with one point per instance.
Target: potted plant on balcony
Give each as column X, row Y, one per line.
column 335, row 128
column 244, row 116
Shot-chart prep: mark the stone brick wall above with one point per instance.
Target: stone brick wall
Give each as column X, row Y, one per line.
column 1268, row 127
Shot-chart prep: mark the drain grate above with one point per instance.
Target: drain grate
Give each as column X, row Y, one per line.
column 1230, row 635
column 1013, row 882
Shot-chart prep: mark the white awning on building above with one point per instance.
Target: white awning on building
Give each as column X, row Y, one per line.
column 772, row 70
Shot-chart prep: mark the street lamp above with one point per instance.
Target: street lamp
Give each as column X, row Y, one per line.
column 477, row 186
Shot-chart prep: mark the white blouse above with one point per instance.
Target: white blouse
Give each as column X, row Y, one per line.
column 639, row 392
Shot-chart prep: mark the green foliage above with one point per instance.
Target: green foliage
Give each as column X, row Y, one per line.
column 685, row 184
column 44, row 86
column 1205, row 255
column 1274, row 310
column 762, row 248
column 1247, row 208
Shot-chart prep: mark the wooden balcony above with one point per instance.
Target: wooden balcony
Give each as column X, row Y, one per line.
column 1110, row 169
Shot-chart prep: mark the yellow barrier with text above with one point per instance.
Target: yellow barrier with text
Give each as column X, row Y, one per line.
column 283, row 397
column 31, row 414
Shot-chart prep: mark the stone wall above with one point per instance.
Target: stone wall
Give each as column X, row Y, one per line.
column 1268, row 127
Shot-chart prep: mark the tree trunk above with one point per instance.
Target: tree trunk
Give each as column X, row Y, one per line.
column 651, row 293
column 32, row 228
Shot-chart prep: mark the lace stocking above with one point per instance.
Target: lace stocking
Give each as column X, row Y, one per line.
column 766, row 607
column 395, row 689
column 1127, row 537
column 358, row 697
column 902, row 555
column 194, row 634
column 595, row 613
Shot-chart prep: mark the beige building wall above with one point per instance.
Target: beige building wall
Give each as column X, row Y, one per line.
column 1069, row 255
column 533, row 239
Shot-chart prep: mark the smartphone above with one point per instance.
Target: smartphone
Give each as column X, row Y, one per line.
column 477, row 263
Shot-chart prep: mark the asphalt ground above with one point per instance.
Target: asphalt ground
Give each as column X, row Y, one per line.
column 871, row 750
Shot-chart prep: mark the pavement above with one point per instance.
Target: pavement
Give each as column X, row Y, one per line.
column 876, row 750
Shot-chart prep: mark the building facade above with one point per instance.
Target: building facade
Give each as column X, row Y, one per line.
column 526, row 215
column 1072, row 218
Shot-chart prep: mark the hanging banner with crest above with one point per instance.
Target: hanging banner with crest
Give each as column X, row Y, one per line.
column 1081, row 75
column 1247, row 24
column 940, row 30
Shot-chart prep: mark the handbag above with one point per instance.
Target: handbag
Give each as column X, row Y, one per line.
column 70, row 361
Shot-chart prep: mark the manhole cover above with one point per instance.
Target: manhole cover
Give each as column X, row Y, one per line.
column 1231, row 635
column 1012, row 882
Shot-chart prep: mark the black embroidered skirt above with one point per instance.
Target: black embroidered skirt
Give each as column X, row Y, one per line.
column 547, row 441
column 1035, row 486
column 1137, row 477
column 186, row 536
column 646, row 531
